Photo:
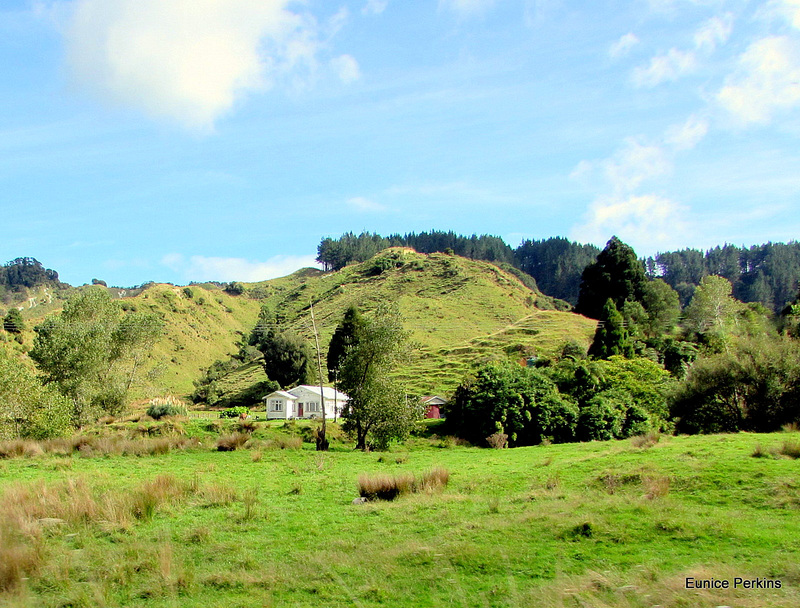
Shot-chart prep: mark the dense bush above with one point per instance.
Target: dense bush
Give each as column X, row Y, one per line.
column 28, row 409
column 754, row 386
column 235, row 412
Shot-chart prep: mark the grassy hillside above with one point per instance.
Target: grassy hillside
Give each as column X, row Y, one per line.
column 458, row 311
column 611, row 524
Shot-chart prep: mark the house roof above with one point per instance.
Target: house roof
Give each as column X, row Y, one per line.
column 283, row 394
column 329, row 392
column 428, row 398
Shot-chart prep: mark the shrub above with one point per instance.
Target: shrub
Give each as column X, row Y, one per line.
column 235, row 412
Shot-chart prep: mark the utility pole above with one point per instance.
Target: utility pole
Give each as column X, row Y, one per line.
column 322, row 440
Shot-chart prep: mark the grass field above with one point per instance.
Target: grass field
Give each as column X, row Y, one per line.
column 597, row 524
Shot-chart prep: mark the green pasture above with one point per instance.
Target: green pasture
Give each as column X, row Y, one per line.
column 593, row 524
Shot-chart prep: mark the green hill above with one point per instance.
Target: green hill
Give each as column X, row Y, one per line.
column 459, row 311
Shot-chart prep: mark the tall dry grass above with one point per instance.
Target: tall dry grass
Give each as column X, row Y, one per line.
column 93, row 446
column 389, row 487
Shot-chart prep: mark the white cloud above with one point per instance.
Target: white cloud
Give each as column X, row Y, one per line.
column 623, row 46
column 346, row 68
column 186, row 60
column 767, row 81
column 789, row 10
column 687, row 135
column 646, row 222
column 374, row 7
column 634, row 163
column 663, row 68
column 359, row 203
column 467, row 7
column 201, row 268
column 714, row 32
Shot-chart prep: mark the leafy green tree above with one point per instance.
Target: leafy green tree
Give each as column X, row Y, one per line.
column 13, row 322
column 611, row 338
column 344, row 337
column 753, row 386
column 377, row 411
column 663, row 307
column 27, row 408
column 93, row 352
column 287, row 357
column 712, row 315
column 522, row 403
column 616, row 274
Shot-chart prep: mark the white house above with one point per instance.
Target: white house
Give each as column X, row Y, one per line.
column 304, row 402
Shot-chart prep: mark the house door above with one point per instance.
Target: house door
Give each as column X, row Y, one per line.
column 299, row 410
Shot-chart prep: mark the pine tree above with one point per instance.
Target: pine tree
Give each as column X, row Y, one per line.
column 611, row 337
column 617, row 274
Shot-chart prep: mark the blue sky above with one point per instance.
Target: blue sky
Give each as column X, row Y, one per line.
column 179, row 140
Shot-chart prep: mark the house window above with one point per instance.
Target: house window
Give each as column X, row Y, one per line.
column 312, row 406
column 275, row 405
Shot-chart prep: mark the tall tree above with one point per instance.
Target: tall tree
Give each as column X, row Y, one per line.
column 611, row 337
column 92, row 351
column 616, row 274
column 713, row 312
column 344, row 337
column 287, row 356
column 378, row 410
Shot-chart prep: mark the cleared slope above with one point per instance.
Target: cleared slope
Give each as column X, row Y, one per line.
column 459, row 311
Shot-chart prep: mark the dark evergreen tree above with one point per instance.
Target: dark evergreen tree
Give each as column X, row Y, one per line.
column 611, row 337
column 13, row 322
column 287, row 356
column 616, row 274
column 345, row 336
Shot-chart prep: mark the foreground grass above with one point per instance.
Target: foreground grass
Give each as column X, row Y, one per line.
column 598, row 524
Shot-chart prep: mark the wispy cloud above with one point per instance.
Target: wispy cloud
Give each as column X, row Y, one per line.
column 186, row 61
column 646, row 222
column 663, row 68
column 202, row 268
column 467, row 7
column 359, row 203
column 374, row 7
column 623, row 46
column 714, row 32
column 346, row 68
column 687, row 135
column 766, row 82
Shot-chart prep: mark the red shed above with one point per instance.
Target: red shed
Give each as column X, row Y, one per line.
column 433, row 405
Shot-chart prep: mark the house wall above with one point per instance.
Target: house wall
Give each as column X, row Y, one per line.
column 305, row 396
column 287, row 409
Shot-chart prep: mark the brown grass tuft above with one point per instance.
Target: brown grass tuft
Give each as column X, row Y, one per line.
column 389, row 487
column 498, row 441
column 284, row 443
column 648, row 440
column 656, row 486
column 790, row 449
column 234, row 441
